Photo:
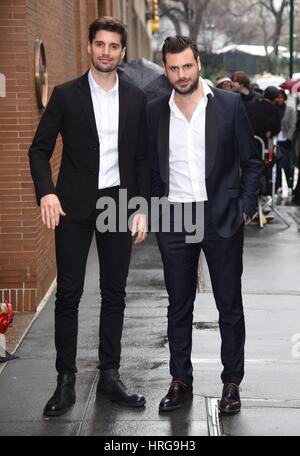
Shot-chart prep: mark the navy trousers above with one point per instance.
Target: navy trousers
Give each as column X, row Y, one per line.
column 224, row 259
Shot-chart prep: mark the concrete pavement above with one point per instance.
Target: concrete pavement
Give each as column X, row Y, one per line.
column 270, row 390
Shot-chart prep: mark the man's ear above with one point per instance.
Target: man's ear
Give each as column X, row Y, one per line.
column 89, row 48
column 124, row 52
column 199, row 63
column 165, row 70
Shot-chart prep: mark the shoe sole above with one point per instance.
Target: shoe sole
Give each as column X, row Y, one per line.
column 58, row 413
column 123, row 404
column 229, row 413
column 175, row 407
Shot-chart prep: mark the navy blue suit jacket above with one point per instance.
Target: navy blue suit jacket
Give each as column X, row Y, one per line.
column 233, row 164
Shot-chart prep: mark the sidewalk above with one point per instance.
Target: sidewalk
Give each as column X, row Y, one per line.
column 270, row 391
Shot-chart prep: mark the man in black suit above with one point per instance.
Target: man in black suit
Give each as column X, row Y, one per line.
column 102, row 122
column 202, row 151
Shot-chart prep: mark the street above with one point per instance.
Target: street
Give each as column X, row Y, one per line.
column 270, row 390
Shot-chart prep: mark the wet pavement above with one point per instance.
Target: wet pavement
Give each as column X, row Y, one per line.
column 270, row 390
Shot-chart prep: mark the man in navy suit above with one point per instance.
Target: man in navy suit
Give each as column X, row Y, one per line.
column 202, row 151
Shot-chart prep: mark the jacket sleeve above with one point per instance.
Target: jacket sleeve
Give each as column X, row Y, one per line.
column 157, row 185
column 142, row 159
column 251, row 165
column 291, row 123
column 275, row 124
column 43, row 145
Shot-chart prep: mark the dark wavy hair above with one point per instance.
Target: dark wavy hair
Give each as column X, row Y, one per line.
column 110, row 24
column 177, row 44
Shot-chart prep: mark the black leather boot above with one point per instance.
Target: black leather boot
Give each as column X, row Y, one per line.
column 111, row 385
column 63, row 397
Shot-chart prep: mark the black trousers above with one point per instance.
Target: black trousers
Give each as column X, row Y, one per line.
column 285, row 163
column 73, row 240
column 224, row 259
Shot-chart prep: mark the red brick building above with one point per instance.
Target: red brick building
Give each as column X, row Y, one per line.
column 27, row 262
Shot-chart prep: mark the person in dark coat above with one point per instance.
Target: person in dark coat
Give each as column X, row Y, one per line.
column 102, row 121
column 241, row 84
column 202, row 151
column 264, row 115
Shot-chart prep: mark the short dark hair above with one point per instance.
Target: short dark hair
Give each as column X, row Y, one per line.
column 282, row 92
column 177, row 44
column 242, row 78
column 110, row 24
column 271, row 93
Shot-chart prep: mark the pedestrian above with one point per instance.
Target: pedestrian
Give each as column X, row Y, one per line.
column 264, row 115
column 102, row 122
column 202, row 150
column 284, row 141
column 241, row 84
column 224, row 83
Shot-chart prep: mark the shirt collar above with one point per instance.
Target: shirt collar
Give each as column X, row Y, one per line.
column 201, row 105
column 206, row 88
column 94, row 86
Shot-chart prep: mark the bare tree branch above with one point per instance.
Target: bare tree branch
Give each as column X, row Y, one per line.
column 166, row 12
column 188, row 12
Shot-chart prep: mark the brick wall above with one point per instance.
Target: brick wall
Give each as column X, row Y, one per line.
column 27, row 263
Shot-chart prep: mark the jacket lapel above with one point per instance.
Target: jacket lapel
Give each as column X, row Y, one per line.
column 85, row 97
column 211, row 136
column 163, row 143
column 124, row 102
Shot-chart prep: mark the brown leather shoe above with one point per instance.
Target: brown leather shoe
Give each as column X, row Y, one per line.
column 230, row 402
column 177, row 394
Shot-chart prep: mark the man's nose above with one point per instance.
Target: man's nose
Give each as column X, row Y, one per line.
column 181, row 73
column 106, row 50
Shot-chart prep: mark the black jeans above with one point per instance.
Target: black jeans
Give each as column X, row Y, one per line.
column 285, row 163
column 73, row 240
column 224, row 259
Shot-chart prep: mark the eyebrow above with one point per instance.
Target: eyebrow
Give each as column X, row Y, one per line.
column 115, row 44
column 178, row 66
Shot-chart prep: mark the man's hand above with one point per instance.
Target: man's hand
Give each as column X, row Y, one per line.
column 51, row 210
column 139, row 228
column 247, row 219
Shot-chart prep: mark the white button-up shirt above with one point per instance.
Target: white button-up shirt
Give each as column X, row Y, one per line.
column 106, row 110
column 187, row 152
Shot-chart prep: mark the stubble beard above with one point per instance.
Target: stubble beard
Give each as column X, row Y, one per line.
column 103, row 69
column 189, row 90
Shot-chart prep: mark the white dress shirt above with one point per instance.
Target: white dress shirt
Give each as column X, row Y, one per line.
column 106, row 110
column 187, row 152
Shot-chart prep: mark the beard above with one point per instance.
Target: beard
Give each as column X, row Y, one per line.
column 104, row 68
column 189, row 89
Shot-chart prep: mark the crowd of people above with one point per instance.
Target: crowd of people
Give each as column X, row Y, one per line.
column 271, row 117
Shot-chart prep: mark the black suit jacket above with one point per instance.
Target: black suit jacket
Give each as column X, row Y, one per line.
column 70, row 113
column 233, row 165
